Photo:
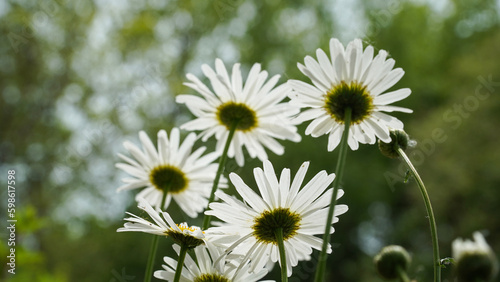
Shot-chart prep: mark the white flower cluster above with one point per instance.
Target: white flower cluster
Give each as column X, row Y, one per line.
column 347, row 87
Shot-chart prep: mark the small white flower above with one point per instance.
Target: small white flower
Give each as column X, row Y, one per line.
column 351, row 78
column 301, row 213
column 474, row 260
column 254, row 106
column 206, row 269
column 163, row 225
column 479, row 245
column 172, row 169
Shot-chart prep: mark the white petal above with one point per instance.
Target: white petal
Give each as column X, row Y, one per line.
column 335, row 137
column 264, row 188
column 394, row 109
column 138, row 154
column 271, row 144
column 389, row 120
column 163, row 146
column 388, row 81
column 326, row 66
column 130, row 186
column 248, row 194
column 317, row 71
column 174, row 143
column 308, row 115
column 284, row 187
column 185, row 149
column 392, row 97
column 320, row 126
column 297, row 182
column 382, row 132
column 149, row 147
column 351, row 140
column 313, row 77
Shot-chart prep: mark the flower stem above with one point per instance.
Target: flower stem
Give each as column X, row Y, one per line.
column 403, row 276
column 281, row 246
column 154, row 247
column 430, row 214
column 320, row 270
column 180, row 262
column 222, row 164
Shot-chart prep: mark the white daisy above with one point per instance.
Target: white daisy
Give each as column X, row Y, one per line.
column 163, row 225
column 206, row 269
column 186, row 177
column 254, row 106
column 353, row 79
column 301, row 213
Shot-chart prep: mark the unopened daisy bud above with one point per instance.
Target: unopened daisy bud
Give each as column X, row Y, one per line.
column 474, row 260
column 389, row 259
column 399, row 139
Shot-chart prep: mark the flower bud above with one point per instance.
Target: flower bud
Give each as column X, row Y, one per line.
column 399, row 139
column 474, row 260
column 389, row 259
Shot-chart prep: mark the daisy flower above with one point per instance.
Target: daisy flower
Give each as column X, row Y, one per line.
column 172, row 169
column 351, row 79
column 204, row 268
column 254, row 109
column 474, row 260
column 163, row 225
column 300, row 213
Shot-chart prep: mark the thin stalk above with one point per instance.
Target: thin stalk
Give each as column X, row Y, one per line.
column 154, row 247
column 403, row 276
column 430, row 214
column 281, row 246
column 180, row 262
column 222, row 164
column 320, row 270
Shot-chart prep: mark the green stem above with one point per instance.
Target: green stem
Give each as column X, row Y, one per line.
column 281, row 246
column 222, row 164
column 403, row 276
column 320, row 270
column 154, row 247
column 430, row 213
column 180, row 263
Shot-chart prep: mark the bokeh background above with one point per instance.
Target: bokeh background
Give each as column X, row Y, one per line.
column 77, row 78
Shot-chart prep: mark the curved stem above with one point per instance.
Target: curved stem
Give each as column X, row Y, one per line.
column 430, row 213
column 180, row 263
column 222, row 164
column 281, row 246
column 154, row 247
column 403, row 276
column 320, row 270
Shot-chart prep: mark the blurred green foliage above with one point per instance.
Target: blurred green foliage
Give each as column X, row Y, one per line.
column 77, row 78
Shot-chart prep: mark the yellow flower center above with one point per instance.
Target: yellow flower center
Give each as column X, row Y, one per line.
column 168, row 179
column 184, row 226
column 268, row 222
column 230, row 113
column 184, row 239
column 211, row 277
column 351, row 95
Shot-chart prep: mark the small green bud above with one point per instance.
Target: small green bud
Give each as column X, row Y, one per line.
column 399, row 139
column 389, row 259
column 474, row 260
